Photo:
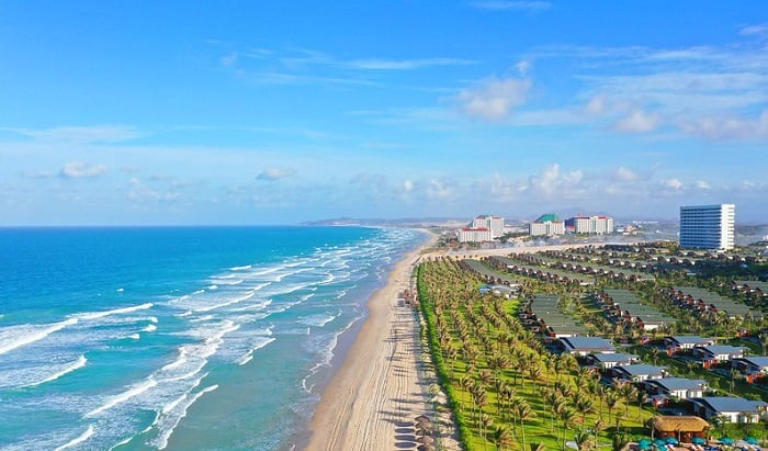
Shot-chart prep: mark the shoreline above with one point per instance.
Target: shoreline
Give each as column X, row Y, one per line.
column 377, row 390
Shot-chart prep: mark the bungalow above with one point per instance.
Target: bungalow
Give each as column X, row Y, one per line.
column 680, row 342
column 608, row 361
column 715, row 354
column 738, row 410
column 683, row 428
column 677, row 387
column 758, row 364
column 583, row 346
column 639, row 372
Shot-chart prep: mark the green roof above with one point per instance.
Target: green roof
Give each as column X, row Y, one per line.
column 551, row 217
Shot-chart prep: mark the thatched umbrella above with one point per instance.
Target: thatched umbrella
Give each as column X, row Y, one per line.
column 427, row 440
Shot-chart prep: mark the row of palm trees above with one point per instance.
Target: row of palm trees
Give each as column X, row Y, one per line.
column 504, row 381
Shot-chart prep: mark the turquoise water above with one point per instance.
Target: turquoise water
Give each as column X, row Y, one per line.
column 177, row 338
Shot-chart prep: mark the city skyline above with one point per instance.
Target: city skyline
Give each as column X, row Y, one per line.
column 278, row 114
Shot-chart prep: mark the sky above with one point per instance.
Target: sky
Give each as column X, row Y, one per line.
column 263, row 112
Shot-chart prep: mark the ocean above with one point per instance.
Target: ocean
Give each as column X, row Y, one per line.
column 209, row 338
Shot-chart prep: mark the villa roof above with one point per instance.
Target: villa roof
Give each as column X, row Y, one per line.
column 729, row 403
column 588, row 343
column 681, row 423
column 616, row 357
column 690, row 339
column 723, row 349
column 678, row 383
column 641, row 369
column 756, row 360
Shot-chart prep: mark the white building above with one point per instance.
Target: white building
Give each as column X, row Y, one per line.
column 475, row 235
column 707, row 226
column 594, row 225
column 547, row 228
column 493, row 223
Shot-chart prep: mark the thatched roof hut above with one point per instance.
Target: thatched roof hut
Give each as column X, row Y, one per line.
column 683, row 428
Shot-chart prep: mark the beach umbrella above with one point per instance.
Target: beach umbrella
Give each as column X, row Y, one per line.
column 672, row 441
column 751, row 440
column 427, row 440
column 726, row 441
column 698, row 441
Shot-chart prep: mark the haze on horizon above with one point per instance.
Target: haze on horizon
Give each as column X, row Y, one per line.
column 281, row 112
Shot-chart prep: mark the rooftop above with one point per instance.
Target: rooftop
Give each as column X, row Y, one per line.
column 729, row 403
column 723, row 349
column 690, row 339
column 676, row 423
column 616, row 357
column 678, row 383
column 641, row 369
column 757, row 360
column 588, row 343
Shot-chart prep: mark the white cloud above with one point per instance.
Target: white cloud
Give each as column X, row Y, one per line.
column 673, row 183
column 438, row 189
column 727, row 128
column 625, row 174
column 79, row 170
column 754, row 30
column 408, row 186
column 703, row 185
column 229, row 60
column 80, row 135
column 523, row 67
column 388, row 64
column 493, row 98
column 637, row 122
column 274, row 174
column 500, row 5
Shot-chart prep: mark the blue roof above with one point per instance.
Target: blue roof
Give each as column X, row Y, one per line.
column 757, row 360
column 640, row 369
column 588, row 343
column 690, row 339
column 616, row 357
column 723, row 349
column 678, row 383
column 730, row 403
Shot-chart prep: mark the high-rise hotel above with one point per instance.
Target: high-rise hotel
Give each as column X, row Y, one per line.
column 707, row 226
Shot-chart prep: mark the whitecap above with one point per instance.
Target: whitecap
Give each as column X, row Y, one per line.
column 150, row 328
column 169, row 420
column 134, row 390
column 118, row 311
column 249, row 355
column 17, row 336
column 240, row 268
column 78, row 440
column 76, row 365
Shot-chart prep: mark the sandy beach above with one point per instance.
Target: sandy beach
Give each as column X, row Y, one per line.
column 372, row 401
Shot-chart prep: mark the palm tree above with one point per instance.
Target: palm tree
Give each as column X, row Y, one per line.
column 485, row 422
column 583, row 440
column 503, row 438
column 611, row 401
column 523, row 412
column 567, row 415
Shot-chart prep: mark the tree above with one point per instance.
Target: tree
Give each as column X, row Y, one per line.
column 567, row 415
column 583, row 439
column 503, row 438
column 523, row 412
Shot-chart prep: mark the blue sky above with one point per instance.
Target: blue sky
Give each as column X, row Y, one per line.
column 280, row 112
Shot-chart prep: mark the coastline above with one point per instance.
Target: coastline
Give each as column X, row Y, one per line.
column 377, row 390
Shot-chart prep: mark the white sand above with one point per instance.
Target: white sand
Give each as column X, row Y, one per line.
column 372, row 401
